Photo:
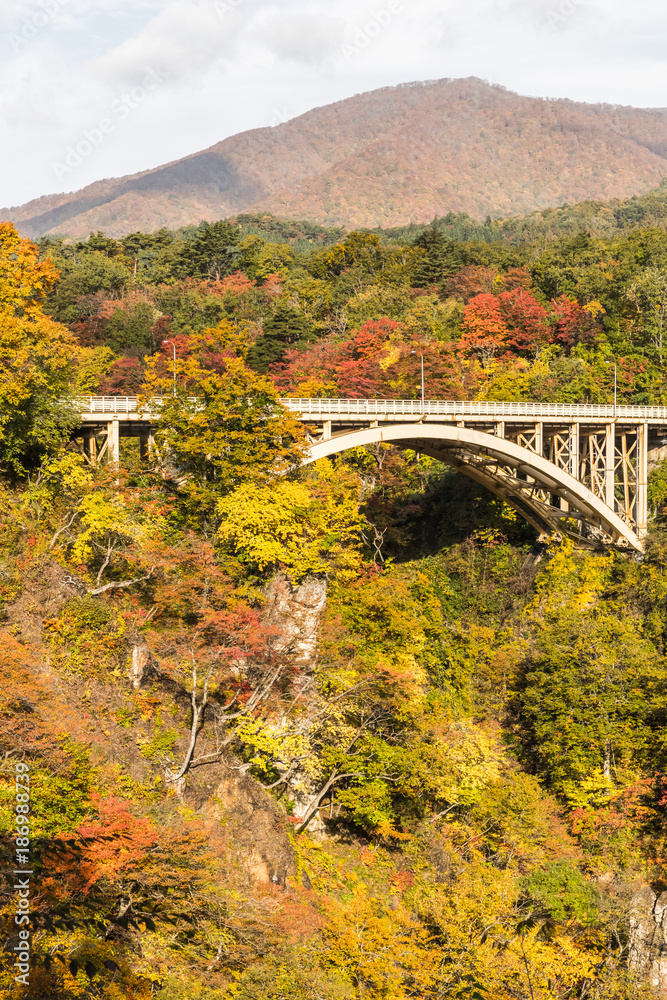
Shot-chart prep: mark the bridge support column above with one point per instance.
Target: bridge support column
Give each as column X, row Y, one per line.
column 641, row 501
column 500, row 428
column 326, row 430
column 539, row 439
column 113, row 437
column 573, row 458
column 90, row 448
column 145, row 443
column 574, row 450
column 610, row 466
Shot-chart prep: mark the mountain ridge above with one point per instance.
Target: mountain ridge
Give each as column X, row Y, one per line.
column 386, row 157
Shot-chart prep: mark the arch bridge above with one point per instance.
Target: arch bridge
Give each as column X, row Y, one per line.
column 576, row 469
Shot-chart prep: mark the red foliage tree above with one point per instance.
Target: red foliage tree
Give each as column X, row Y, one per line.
column 527, row 321
column 515, row 277
column 360, row 373
column 573, row 324
column 485, row 331
column 318, row 364
column 445, row 377
column 112, row 842
column 124, row 378
column 471, row 281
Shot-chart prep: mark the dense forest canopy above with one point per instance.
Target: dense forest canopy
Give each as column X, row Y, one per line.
column 530, row 308
column 336, row 731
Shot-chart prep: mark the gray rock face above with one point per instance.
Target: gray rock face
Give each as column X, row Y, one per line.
column 140, row 666
column 647, row 955
column 296, row 611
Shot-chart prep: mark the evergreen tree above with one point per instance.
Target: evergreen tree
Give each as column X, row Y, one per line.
column 286, row 328
column 442, row 257
column 211, row 254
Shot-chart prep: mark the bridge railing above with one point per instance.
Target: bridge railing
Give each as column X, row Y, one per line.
column 120, row 405
column 431, row 407
column 108, row 404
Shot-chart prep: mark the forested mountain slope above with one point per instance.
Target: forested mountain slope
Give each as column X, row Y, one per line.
column 347, row 731
column 385, row 158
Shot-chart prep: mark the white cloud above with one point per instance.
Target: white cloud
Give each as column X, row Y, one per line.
column 184, row 39
column 303, row 37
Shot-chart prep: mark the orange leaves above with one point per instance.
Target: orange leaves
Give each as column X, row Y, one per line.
column 24, row 279
column 113, row 842
column 484, row 328
column 515, row 321
column 30, row 716
column 402, row 880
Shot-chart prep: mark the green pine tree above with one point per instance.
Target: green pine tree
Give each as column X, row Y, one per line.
column 211, row 254
column 442, row 257
column 286, row 328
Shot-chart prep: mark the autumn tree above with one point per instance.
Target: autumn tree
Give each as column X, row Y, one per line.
column 298, row 527
column 592, row 683
column 484, row 329
column 219, row 429
column 575, row 324
column 124, row 377
column 527, row 321
column 36, row 353
column 360, row 250
column 217, row 645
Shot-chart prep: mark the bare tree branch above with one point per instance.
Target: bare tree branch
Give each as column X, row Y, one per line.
column 314, row 806
column 117, row 585
column 107, row 559
column 65, row 527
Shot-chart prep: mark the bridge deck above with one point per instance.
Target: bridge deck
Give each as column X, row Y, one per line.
column 576, row 468
column 127, row 408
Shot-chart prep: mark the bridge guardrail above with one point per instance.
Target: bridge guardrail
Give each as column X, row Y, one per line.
column 431, row 407
column 413, row 408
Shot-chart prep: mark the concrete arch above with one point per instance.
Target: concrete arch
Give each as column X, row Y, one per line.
column 522, row 477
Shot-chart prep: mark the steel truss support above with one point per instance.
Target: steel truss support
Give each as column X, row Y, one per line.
column 539, row 486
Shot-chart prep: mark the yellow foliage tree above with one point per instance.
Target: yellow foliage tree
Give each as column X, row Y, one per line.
column 219, row 429
column 35, row 358
column 300, row 526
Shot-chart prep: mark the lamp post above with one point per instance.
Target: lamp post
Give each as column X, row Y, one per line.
column 174, row 346
column 615, row 383
column 423, row 398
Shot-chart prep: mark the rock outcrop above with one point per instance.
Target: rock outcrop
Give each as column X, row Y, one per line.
column 256, row 828
column 647, row 955
column 296, row 612
column 141, row 666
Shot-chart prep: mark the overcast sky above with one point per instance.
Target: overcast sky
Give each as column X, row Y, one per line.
column 132, row 84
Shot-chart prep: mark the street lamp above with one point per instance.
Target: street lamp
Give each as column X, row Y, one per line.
column 423, row 401
column 615, row 383
column 174, row 346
